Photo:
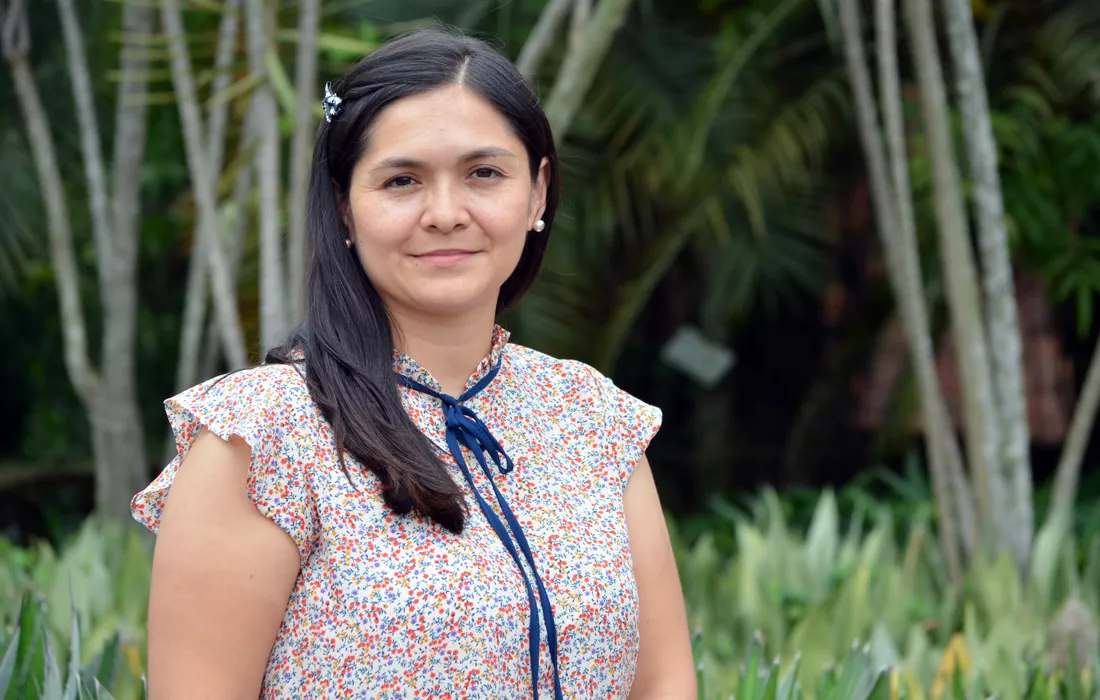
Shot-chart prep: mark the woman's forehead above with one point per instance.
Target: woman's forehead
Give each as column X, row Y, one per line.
column 448, row 121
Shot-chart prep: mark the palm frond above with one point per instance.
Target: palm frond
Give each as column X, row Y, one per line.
column 772, row 270
column 1065, row 63
column 738, row 47
column 743, row 205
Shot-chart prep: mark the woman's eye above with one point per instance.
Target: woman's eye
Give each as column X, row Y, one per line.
column 485, row 173
column 400, row 181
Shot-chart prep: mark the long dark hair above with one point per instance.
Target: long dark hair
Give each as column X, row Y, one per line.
column 347, row 337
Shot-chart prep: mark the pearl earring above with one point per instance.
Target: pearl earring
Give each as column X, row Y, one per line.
column 539, row 226
column 347, row 242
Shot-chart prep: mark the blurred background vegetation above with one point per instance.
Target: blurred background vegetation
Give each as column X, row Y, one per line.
column 725, row 250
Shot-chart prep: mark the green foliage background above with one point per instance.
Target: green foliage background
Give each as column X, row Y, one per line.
column 713, row 179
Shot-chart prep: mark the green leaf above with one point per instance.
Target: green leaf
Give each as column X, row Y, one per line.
column 340, row 48
column 771, row 687
column 822, row 543
column 30, row 658
column 788, row 690
column 879, row 687
column 104, row 665
column 281, row 85
column 1075, row 689
column 826, row 685
column 235, row 90
column 72, row 683
column 51, row 689
column 7, row 664
column 102, row 693
column 1045, row 557
column 851, row 673
column 751, row 675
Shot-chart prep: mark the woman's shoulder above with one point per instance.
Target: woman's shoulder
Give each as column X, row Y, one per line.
column 267, row 406
column 268, row 399
column 596, row 406
column 566, row 377
column 266, row 385
column 537, row 364
column 277, row 376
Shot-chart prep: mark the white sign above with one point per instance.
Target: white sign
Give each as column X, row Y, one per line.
column 699, row 357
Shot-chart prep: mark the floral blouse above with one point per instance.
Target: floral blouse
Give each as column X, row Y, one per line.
column 389, row 606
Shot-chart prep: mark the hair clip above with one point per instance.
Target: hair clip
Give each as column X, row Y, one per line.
column 332, row 104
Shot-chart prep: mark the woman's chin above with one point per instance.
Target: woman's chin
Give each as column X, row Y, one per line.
column 453, row 301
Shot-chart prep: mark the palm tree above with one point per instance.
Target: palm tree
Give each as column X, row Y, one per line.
column 690, row 155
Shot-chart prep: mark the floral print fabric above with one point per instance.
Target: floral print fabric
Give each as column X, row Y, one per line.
column 388, row 606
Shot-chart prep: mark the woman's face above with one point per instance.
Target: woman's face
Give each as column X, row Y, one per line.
column 441, row 202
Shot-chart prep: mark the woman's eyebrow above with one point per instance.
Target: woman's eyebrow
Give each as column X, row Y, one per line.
column 487, row 152
column 402, row 162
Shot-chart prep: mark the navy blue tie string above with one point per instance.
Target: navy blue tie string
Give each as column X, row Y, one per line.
column 463, row 427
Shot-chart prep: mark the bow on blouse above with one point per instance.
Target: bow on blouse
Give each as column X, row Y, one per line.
column 465, row 428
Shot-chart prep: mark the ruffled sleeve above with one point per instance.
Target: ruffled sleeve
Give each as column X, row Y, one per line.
column 269, row 408
column 629, row 425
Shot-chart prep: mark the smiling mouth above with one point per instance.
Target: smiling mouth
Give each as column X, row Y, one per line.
column 446, row 257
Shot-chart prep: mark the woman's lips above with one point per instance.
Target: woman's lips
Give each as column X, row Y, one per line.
column 446, row 258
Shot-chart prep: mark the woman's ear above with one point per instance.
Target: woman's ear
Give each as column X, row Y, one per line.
column 345, row 210
column 538, row 193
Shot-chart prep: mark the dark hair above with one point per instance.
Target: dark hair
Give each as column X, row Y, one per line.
column 347, row 337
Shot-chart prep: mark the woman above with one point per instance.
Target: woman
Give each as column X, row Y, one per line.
column 399, row 502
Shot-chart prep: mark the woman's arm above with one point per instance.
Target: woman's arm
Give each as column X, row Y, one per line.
column 666, row 669
column 222, row 576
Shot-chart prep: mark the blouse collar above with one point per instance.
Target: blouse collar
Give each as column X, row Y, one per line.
column 406, row 366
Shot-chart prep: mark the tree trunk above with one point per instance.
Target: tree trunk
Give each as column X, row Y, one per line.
column 945, row 459
column 541, row 37
column 236, row 225
column 1002, row 319
column 1077, row 440
column 232, row 225
column 224, row 54
column 305, row 80
column 195, row 299
column 15, row 37
column 203, row 184
column 273, row 316
column 109, row 398
column 885, row 198
column 582, row 10
column 91, row 150
column 120, row 459
column 579, row 68
column 127, row 461
column 979, row 411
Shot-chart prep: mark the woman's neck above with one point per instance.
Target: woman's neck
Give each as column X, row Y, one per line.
column 450, row 349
